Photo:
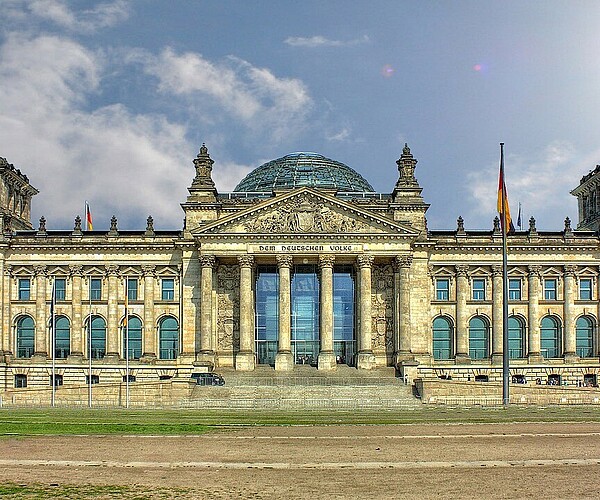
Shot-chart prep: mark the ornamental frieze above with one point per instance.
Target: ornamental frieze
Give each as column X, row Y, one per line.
column 304, row 216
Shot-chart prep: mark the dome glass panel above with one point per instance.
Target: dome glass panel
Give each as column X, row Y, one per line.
column 303, row 169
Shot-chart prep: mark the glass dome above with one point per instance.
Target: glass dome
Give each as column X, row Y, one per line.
column 303, row 169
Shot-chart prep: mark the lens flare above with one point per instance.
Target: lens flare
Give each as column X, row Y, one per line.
column 387, row 71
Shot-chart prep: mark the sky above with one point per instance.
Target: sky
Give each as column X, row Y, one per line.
column 110, row 101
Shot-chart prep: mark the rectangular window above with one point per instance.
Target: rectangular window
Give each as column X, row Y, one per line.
column 60, row 287
column 168, row 289
column 585, row 289
column 58, row 380
column 20, row 381
column 514, row 289
column 442, row 289
column 550, row 289
column 132, row 289
column 478, row 289
column 95, row 379
column 24, row 289
column 96, row 289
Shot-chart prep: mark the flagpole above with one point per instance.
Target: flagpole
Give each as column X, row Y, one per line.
column 53, row 341
column 127, row 341
column 90, row 345
column 505, row 353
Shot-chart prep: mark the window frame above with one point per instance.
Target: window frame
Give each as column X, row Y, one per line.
column 589, row 290
column 515, row 293
column 24, row 293
column 167, row 294
column 132, row 288
column 60, row 293
column 20, row 381
column 478, row 294
column 95, row 292
column 442, row 294
column 550, row 293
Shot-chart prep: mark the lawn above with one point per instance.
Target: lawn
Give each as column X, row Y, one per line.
column 59, row 421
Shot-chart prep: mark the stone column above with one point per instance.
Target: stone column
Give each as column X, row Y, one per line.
column 42, row 344
column 245, row 359
column 497, row 316
column 570, row 350
column 284, row 359
column 206, row 356
column 76, row 271
column 189, row 323
column 462, row 331
column 150, row 335
column 112, row 344
column 326, row 356
column 533, row 298
column 7, row 330
column 402, row 265
column 366, row 358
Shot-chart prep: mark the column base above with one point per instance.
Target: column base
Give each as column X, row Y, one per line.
column 148, row 358
column 571, row 357
column 366, row 360
column 462, row 359
column 497, row 358
column 534, row 357
column 112, row 357
column 40, row 356
column 245, row 361
column 326, row 361
column 284, row 361
column 186, row 358
column 75, row 357
column 402, row 356
column 205, row 358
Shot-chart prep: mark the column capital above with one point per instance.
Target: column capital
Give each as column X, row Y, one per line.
column 284, row 261
column 40, row 270
column 570, row 270
column 326, row 261
column 497, row 270
column 534, row 271
column 75, row 269
column 402, row 261
column 207, row 260
column 246, row 260
column 148, row 270
column 462, row 270
column 112, row 269
column 365, row 260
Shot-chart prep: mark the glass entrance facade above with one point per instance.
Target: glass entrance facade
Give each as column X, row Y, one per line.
column 267, row 314
column 344, row 344
column 305, row 314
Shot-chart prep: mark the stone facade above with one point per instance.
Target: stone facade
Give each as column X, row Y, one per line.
column 375, row 286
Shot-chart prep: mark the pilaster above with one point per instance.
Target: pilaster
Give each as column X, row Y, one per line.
column 402, row 265
column 497, row 316
column 534, row 354
column 41, row 326
column 150, row 335
column 462, row 332
column 570, row 351
column 76, row 272
column 206, row 356
column 112, row 347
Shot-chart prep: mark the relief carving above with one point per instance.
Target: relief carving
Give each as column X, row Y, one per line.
column 382, row 308
column 228, row 304
column 304, row 216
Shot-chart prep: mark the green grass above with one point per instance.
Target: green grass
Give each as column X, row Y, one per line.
column 58, row 421
column 88, row 491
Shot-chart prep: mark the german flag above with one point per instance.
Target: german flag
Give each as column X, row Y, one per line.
column 503, row 207
column 88, row 218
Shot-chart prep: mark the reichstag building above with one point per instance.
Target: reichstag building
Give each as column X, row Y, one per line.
column 302, row 264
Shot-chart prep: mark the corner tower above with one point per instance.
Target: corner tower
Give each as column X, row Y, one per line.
column 588, row 200
column 15, row 197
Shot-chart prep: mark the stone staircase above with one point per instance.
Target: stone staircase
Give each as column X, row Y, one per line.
column 306, row 388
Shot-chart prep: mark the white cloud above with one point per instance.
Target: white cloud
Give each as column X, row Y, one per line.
column 340, row 136
column 541, row 184
column 128, row 164
column 59, row 12
column 321, row 41
column 272, row 106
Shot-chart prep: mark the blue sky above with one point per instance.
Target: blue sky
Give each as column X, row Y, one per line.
column 110, row 101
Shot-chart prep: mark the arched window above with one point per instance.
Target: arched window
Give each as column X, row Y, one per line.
column 25, row 337
column 442, row 338
column 550, row 337
column 168, row 334
column 516, row 338
column 478, row 338
column 62, row 342
column 584, row 332
column 133, row 330
column 98, row 337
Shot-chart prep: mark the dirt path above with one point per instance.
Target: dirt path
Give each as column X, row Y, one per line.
column 548, row 461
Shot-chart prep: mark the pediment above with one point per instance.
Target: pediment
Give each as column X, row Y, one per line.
column 305, row 211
